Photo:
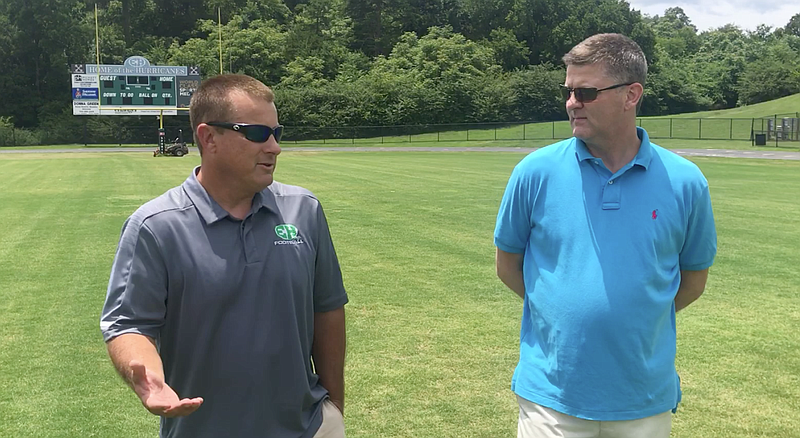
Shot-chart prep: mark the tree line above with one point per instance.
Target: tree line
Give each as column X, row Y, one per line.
column 386, row 62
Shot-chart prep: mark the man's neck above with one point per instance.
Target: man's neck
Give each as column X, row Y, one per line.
column 232, row 198
column 616, row 152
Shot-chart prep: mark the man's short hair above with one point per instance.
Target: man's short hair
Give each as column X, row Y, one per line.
column 211, row 101
column 622, row 59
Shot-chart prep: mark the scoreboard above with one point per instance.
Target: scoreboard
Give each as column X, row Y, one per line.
column 136, row 88
column 118, row 90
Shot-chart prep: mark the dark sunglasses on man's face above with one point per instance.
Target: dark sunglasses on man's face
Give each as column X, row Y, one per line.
column 586, row 94
column 254, row 133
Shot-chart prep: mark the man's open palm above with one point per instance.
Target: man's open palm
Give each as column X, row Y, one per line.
column 157, row 396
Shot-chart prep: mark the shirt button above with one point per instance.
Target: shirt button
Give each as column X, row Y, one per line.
column 611, row 182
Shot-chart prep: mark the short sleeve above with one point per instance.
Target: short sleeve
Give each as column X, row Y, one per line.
column 513, row 226
column 700, row 245
column 329, row 292
column 137, row 289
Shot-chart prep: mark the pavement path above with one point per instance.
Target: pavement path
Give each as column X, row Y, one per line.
column 727, row 153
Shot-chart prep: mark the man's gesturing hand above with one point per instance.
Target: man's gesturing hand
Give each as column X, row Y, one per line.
column 157, row 396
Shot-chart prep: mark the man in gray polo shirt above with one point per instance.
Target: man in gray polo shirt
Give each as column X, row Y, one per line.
column 225, row 289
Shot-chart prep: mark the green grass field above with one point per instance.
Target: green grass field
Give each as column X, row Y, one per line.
column 784, row 105
column 488, row 144
column 432, row 334
column 665, row 142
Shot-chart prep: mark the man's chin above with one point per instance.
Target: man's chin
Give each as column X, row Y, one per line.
column 265, row 181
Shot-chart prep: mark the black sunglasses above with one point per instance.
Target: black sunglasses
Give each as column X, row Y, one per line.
column 586, row 94
column 254, row 133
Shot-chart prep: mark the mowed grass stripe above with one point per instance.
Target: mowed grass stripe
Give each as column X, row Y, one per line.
column 61, row 273
column 738, row 348
column 432, row 332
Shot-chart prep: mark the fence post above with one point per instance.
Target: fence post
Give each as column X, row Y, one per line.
column 775, row 127
column 730, row 137
column 467, row 134
column 523, row 131
column 700, row 129
column 554, row 130
column 670, row 127
column 85, row 141
column 13, row 136
column 437, row 135
column 354, row 136
column 495, row 132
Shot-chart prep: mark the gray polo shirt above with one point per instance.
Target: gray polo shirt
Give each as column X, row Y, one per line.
column 231, row 306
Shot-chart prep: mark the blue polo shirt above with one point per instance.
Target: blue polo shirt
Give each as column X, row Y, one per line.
column 602, row 259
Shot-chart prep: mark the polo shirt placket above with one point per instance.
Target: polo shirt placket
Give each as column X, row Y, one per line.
column 612, row 184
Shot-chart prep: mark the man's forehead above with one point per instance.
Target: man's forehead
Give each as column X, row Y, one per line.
column 587, row 73
column 244, row 102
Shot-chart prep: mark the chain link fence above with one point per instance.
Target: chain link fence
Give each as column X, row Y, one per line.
column 785, row 127
column 657, row 128
column 94, row 136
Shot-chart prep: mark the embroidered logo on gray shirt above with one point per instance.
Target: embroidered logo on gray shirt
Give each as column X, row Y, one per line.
column 288, row 234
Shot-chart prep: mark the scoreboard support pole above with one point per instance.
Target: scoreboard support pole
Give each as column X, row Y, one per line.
column 162, row 141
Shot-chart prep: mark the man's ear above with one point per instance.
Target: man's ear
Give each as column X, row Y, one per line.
column 206, row 137
column 634, row 96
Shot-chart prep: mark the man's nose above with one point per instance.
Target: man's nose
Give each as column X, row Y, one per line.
column 271, row 146
column 572, row 102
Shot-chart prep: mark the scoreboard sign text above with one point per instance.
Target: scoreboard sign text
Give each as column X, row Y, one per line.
column 136, row 88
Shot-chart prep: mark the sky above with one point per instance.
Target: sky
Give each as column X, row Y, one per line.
column 711, row 14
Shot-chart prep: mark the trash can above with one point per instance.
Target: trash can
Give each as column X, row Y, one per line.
column 761, row 139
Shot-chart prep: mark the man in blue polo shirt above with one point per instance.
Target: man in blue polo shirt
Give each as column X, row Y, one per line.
column 605, row 236
column 225, row 304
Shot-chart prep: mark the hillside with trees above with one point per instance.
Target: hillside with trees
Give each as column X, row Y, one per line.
column 386, row 62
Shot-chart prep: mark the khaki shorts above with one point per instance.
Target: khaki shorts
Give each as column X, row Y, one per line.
column 332, row 421
column 536, row 421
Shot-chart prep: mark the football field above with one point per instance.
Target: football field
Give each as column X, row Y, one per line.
column 432, row 333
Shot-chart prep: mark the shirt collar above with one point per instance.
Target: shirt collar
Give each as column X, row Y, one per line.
column 210, row 210
column 642, row 158
column 645, row 154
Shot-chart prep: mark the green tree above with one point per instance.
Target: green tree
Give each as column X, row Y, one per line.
column 675, row 33
column 478, row 18
column 441, row 55
column 419, row 15
column 671, row 88
column 259, row 50
column 793, row 26
column 41, row 40
column 444, row 64
column 375, row 26
column 509, row 52
column 551, row 28
column 256, row 48
column 536, row 93
column 719, row 63
column 306, row 72
column 320, row 29
column 775, row 74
